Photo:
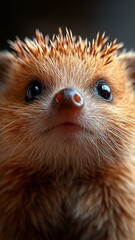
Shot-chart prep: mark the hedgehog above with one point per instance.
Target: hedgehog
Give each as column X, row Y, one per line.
column 67, row 139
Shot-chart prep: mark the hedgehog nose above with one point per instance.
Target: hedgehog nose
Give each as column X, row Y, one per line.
column 68, row 98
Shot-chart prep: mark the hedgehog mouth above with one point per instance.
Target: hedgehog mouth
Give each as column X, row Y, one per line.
column 67, row 126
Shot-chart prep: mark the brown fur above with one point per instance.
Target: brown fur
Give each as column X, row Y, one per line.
column 75, row 186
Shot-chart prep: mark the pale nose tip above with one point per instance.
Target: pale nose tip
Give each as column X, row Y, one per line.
column 68, row 98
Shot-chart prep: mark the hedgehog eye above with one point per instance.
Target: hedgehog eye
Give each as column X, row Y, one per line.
column 103, row 90
column 33, row 91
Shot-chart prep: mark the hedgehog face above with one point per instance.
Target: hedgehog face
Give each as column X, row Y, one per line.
column 67, row 103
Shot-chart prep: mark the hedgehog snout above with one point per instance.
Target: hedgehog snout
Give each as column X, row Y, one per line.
column 67, row 98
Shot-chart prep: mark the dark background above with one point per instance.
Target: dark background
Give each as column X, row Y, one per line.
column 83, row 17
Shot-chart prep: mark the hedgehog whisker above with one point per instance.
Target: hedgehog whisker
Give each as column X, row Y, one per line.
column 6, row 126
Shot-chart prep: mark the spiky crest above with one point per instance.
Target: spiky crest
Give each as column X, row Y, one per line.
column 42, row 47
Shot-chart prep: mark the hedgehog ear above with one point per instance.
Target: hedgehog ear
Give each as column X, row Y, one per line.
column 6, row 60
column 129, row 59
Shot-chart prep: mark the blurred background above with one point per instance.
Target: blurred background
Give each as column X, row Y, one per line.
column 83, row 17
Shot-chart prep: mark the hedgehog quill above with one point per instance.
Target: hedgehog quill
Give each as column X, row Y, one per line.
column 67, row 139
